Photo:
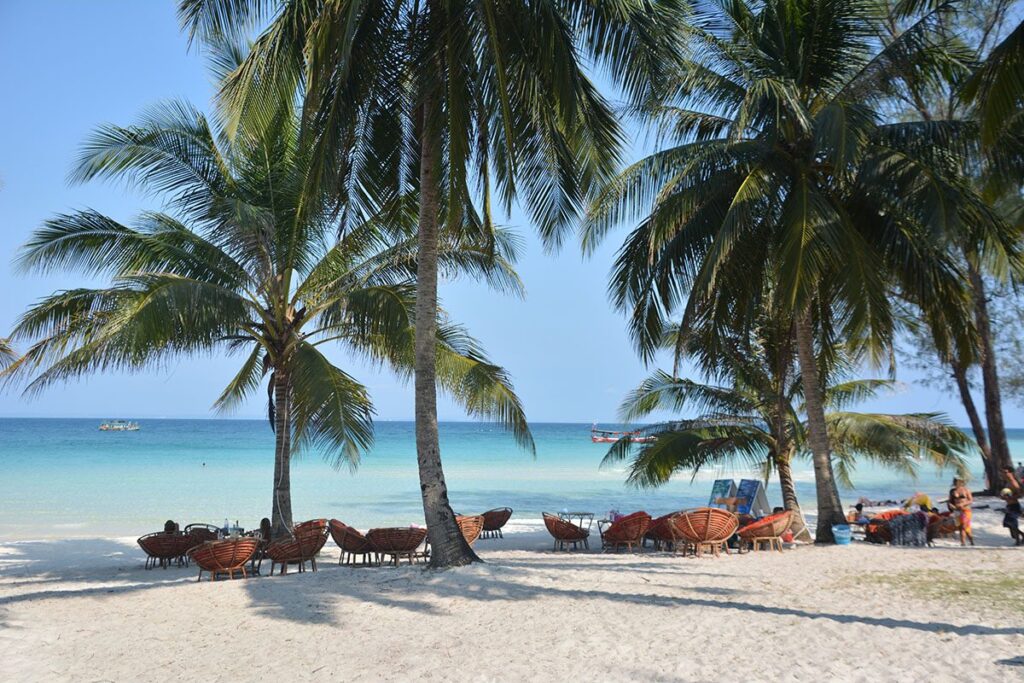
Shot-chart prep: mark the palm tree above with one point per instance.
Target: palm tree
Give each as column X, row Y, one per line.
column 443, row 99
column 750, row 416
column 785, row 172
column 249, row 261
column 7, row 353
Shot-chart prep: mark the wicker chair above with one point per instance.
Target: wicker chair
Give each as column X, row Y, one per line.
column 494, row 520
column 352, row 543
column 397, row 542
column 164, row 549
column 471, row 526
column 625, row 531
column 660, row 533
column 767, row 530
column 565, row 533
column 301, row 547
column 704, row 529
column 202, row 533
column 224, row 557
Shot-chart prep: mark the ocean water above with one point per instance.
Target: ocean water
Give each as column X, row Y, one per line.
column 64, row 477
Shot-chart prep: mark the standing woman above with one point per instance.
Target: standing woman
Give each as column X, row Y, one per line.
column 960, row 500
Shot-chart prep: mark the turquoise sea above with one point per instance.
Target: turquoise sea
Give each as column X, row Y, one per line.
column 64, row 477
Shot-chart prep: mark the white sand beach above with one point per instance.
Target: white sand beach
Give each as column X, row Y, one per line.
column 86, row 610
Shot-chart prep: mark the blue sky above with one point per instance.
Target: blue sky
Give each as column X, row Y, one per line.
column 68, row 66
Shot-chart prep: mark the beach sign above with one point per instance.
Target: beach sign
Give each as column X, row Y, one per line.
column 755, row 500
column 722, row 488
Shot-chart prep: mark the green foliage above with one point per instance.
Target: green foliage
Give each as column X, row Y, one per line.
column 248, row 259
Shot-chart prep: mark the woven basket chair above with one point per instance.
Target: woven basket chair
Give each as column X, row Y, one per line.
column 660, row 533
column 626, row 531
column 202, row 533
column 494, row 520
column 163, row 549
column 565, row 533
column 471, row 526
column 301, row 547
column 767, row 530
column 224, row 557
column 352, row 543
column 396, row 542
column 704, row 529
column 877, row 529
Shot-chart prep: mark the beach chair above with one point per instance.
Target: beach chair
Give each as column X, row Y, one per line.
column 164, row 548
column 471, row 526
column 767, row 530
column 566, row 533
column 302, row 546
column 494, row 520
column 704, row 529
column 226, row 556
column 659, row 532
column 352, row 543
column 396, row 542
column 626, row 531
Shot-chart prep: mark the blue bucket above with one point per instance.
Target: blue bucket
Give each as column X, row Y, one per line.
column 842, row 534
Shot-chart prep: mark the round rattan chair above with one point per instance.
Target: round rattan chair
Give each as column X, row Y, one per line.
column 704, row 529
column 224, row 557
column 565, row 533
column 164, row 548
column 626, row 531
column 660, row 533
column 471, row 526
column 766, row 531
column 202, row 533
column 352, row 543
column 396, row 542
column 494, row 520
column 301, row 547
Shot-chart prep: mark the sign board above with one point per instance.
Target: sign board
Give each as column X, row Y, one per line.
column 722, row 488
column 755, row 501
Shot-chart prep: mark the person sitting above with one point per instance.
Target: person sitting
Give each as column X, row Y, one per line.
column 856, row 515
column 170, row 526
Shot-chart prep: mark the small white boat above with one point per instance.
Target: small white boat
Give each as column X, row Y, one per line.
column 119, row 426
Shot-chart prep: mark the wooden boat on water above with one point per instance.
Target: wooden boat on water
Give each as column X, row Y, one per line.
column 609, row 436
column 119, row 426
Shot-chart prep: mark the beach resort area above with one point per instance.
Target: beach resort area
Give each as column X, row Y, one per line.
column 532, row 340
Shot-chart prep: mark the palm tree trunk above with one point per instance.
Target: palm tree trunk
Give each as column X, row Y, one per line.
column 830, row 508
column 281, row 517
column 960, row 376
column 448, row 547
column 786, row 483
column 1000, row 448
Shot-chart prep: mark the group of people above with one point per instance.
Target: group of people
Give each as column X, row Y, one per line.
column 960, row 503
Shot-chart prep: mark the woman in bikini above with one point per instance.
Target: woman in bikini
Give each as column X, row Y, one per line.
column 960, row 500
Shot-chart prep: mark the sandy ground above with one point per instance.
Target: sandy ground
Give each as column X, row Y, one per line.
column 85, row 610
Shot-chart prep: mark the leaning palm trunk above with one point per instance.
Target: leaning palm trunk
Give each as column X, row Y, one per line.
column 830, row 509
column 1000, row 448
column 448, row 546
column 980, row 437
column 789, row 499
column 281, row 516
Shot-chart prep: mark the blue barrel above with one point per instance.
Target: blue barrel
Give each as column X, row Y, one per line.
column 842, row 534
